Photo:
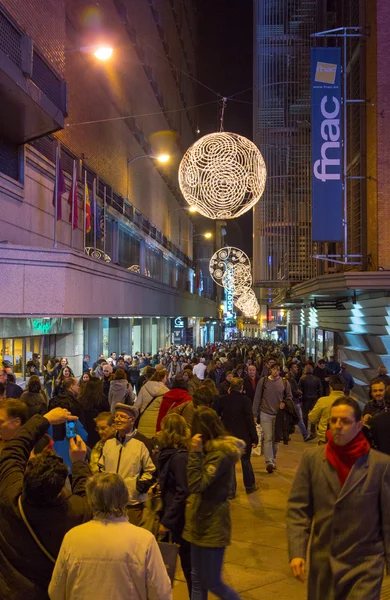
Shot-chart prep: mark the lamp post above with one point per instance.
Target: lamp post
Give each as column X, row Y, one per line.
column 161, row 158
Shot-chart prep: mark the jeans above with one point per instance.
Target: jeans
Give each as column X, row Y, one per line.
column 247, row 471
column 206, row 574
column 270, row 446
column 301, row 424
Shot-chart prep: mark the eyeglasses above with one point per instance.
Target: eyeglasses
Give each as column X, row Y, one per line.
column 122, row 419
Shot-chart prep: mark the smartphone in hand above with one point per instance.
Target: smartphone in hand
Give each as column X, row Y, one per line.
column 70, row 429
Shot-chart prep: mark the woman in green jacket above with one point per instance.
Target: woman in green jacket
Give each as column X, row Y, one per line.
column 210, row 471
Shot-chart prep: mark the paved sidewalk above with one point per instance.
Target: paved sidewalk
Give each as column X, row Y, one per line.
column 256, row 563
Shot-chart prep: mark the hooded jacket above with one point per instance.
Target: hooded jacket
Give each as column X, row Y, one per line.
column 186, row 410
column 210, row 476
column 120, row 391
column 172, row 467
column 171, row 399
column 148, row 403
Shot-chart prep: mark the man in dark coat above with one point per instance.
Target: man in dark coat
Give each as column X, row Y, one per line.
column 51, row 511
column 322, row 372
column 11, row 389
column 235, row 410
column 250, row 382
column 339, row 503
column 218, row 375
column 311, row 389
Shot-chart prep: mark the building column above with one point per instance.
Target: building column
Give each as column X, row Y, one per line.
column 142, row 261
column 71, row 345
column 146, row 334
column 93, row 338
column 113, row 336
column 125, row 336
column 162, row 332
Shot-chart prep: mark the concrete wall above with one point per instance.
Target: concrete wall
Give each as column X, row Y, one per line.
column 68, row 283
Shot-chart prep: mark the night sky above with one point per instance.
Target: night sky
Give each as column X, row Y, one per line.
column 225, row 59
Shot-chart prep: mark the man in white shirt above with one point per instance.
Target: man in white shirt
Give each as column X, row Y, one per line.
column 200, row 369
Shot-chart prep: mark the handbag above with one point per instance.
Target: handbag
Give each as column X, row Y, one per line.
column 169, row 552
column 32, row 532
column 153, row 508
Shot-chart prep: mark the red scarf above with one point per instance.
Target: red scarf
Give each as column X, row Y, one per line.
column 342, row 458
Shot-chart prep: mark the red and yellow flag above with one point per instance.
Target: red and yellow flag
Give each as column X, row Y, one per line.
column 88, row 220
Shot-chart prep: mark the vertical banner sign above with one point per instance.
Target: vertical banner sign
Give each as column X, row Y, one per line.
column 327, row 192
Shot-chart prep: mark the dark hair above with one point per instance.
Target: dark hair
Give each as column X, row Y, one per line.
column 236, row 384
column 34, row 385
column 179, row 383
column 376, row 381
column 203, row 396
column 321, row 361
column 44, row 479
column 120, row 374
column 16, row 409
column 36, row 403
column 91, row 395
column 346, row 400
column 207, row 423
column 68, row 382
column 337, row 383
column 276, row 363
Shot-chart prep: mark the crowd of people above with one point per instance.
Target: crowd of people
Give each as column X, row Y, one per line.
column 80, row 459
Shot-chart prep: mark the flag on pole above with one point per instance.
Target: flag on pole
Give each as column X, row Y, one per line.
column 88, row 221
column 73, row 199
column 96, row 214
column 61, row 189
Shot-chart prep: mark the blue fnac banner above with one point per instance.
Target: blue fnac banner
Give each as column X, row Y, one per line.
column 327, row 193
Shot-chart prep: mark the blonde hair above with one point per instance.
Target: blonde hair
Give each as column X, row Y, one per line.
column 174, row 432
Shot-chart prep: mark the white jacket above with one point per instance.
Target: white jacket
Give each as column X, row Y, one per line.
column 110, row 560
column 131, row 459
column 151, row 390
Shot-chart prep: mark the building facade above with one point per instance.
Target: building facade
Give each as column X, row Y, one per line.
column 118, row 287
column 343, row 309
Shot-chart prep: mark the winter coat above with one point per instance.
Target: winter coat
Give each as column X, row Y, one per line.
column 174, row 369
column 218, row 376
column 235, row 410
column 172, row 468
column 210, row 475
column 249, row 390
column 320, row 413
column 349, row 526
column 12, row 390
column 110, row 559
column 131, row 459
column 25, row 571
column 120, row 391
column 171, row 399
column 186, row 410
column 311, row 388
column 285, row 421
column 322, row 374
column 148, row 402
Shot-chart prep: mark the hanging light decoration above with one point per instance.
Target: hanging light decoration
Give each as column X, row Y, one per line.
column 225, row 260
column 222, row 175
column 231, row 268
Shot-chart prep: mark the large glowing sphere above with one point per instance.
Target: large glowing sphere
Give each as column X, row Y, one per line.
column 223, row 175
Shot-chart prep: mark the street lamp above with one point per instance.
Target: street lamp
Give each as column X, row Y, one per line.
column 191, row 209
column 161, row 158
column 208, row 235
column 103, row 52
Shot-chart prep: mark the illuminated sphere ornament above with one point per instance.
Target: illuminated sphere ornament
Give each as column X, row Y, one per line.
column 248, row 303
column 223, row 175
column 239, row 278
column 224, row 261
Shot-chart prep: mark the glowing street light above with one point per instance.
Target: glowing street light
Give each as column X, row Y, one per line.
column 208, row 235
column 103, row 52
column 193, row 209
column 162, row 158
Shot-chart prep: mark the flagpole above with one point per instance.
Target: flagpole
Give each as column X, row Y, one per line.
column 94, row 214
column 73, row 195
column 56, row 201
column 104, row 218
column 85, row 211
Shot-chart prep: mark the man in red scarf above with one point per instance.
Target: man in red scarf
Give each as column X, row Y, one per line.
column 341, row 497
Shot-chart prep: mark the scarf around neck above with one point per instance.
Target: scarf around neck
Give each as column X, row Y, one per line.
column 342, row 458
